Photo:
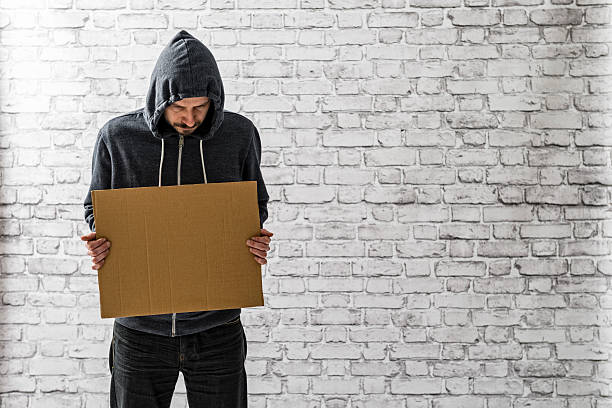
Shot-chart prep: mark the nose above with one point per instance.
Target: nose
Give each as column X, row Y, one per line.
column 189, row 120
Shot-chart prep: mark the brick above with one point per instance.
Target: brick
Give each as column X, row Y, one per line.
column 463, row 268
column 589, row 176
column 428, row 36
column 505, row 3
column 539, row 369
column 344, row 213
column 390, row 156
column 52, row 266
column 53, row 366
column 556, row 51
column 474, row 17
column 350, row 36
column 463, row 401
column 93, row 4
column 435, row 3
column 63, row 19
column 391, row 52
column 510, row 35
column 499, row 285
column 550, row 267
column 580, row 284
column 514, row 103
column 539, row 335
column 464, row 231
column 588, row 35
column 422, row 213
column 558, row 16
column 335, row 351
column 581, row 352
column 590, row 68
column 374, row 232
column 12, row 383
column 421, row 249
column 552, row 195
column 427, row 69
column 468, row 52
column 335, row 386
column 573, row 387
column 470, row 195
column 512, row 175
column 472, row 157
column 546, row 231
column 395, row 19
column 399, row 195
column 417, row 386
column 460, row 87
column 429, row 176
column 334, row 249
column 511, row 68
column 495, row 351
column 427, row 103
column 471, row 120
column 578, row 317
column 130, row 21
column 347, row 176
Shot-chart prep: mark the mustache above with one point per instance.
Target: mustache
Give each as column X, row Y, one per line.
column 187, row 127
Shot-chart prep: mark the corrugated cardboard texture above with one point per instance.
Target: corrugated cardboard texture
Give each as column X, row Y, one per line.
column 178, row 248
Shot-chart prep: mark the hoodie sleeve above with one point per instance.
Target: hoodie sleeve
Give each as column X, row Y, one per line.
column 252, row 172
column 100, row 179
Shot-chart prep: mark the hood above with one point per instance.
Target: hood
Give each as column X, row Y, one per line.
column 185, row 68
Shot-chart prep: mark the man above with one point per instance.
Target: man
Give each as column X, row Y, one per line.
column 181, row 136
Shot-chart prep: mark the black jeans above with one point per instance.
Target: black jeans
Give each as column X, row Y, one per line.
column 145, row 367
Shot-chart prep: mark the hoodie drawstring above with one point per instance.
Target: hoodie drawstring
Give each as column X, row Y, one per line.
column 161, row 162
column 202, row 156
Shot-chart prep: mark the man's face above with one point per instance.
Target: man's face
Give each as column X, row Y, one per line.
column 187, row 114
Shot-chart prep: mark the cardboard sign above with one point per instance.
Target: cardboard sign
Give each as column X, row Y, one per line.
column 178, row 248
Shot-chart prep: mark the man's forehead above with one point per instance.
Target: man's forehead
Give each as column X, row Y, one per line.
column 191, row 101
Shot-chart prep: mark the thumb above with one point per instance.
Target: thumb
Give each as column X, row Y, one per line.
column 88, row 237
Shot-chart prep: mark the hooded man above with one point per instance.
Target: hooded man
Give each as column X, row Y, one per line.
column 181, row 136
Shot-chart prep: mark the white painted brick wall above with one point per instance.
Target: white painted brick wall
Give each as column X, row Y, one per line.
column 439, row 173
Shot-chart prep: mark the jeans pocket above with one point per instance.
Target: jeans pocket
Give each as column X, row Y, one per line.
column 234, row 321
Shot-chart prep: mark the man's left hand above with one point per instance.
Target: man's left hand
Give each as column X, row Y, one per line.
column 260, row 246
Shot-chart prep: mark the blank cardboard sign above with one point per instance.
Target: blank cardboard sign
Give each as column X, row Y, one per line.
column 178, row 248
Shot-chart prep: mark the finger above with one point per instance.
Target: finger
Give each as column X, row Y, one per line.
column 94, row 243
column 261, row 247
column 259, row 253
column 101, row 256
column 88, row 237
column 266, row 232
column 91, row 245
column 265, row 240
column 258, row 245
column 261, row 261
column 98, row 265
column 99, row 249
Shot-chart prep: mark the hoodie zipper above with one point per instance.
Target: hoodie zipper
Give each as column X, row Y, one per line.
column 178, row 170
column 178, row 182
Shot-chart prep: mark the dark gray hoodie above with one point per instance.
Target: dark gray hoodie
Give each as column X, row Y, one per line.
column 140, row 149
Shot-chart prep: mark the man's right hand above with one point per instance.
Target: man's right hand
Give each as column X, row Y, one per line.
column 98, row 249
